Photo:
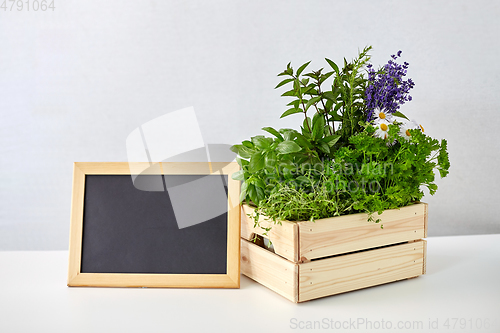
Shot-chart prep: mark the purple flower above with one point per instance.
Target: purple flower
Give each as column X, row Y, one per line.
column 386, row 88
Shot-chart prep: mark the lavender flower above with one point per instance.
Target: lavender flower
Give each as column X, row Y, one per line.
column 386, row 88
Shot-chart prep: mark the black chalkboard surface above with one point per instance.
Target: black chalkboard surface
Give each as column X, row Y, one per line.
column 174, row 225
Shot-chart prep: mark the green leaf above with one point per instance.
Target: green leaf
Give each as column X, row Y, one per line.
column 259, row 183
column 432, row 188
column 334, row 116
column 273, row 132
column 328, row 130
column 252, row 193
column 295, row 103
column 289, row 93
column 290, row 111
column 331, row 140
column 260, row 194
column 328, row 105
column 324, row 147
column 312, row 101
column 261, row 142
column 243, row 193
column 309, row 90
column 241, row 162
column 238, row 175
column 287, row 147
column 303, row 141
column 333, row 65
column 359, row 82
column 256, row 162
column 329, row 95
column 241, row 150
column 301, row 68
column 303, row 179
column 318, row 126
column 282, row 83
column 248, row 144
column 288, row 133
column 325, row 76
column 307, row 124
column 270, row 159
column 400, row 115
column 235, row 148
column 337, row 107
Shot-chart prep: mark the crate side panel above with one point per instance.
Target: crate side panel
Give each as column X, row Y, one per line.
column 283, row 237
column 270, row 270
column 424, row 267
column 351, row 233
column 349, row 272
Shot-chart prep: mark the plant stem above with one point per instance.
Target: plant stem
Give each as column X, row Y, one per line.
column 305, row 115
column 325, row 113
column 302, row 102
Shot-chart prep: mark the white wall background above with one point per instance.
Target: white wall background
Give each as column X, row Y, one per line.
column 76, row 81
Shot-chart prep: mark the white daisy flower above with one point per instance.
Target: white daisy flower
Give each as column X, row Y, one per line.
column 382, row 129
column 412, row 124
column 382, row 116
column 404, row 132
column 415, row 125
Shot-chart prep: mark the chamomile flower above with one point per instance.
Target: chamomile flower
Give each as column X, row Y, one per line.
column 405, row 132
column 382, row 129
column 412, row 124
column 380, row 115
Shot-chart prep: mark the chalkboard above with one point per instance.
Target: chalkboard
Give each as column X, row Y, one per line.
column 171, row 225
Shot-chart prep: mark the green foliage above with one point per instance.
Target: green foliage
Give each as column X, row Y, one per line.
column 334, row 164
column 295, row 203
column 366, row 176
column 380, row 176
column 342, row 103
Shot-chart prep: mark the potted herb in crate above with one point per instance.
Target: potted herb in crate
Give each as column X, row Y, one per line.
column 339, row 198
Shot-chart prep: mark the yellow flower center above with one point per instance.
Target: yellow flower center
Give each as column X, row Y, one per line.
column 408, row 133
column 383, row 127
column 381, row 115
column 421, row 128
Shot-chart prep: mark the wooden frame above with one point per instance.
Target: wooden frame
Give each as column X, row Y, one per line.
column 229, row 280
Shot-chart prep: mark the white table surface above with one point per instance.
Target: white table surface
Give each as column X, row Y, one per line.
column 462, row 281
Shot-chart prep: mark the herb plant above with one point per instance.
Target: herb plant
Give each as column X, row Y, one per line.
column 357, row 153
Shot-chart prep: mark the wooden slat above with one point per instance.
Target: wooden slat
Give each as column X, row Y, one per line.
column 233, row 230
column 118, row 168
column 348, row 233
column 270, row 270
column 199, row 168
column 284, row 237
column 424, row 268
column 175, row 168
column 76, row 226
column 154, row 280
column 224, row 168
column 348, row 272
column 426, row 218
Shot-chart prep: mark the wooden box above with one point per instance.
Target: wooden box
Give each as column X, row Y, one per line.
column 335, row 255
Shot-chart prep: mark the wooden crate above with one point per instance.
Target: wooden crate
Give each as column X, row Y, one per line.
column 335, row 255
